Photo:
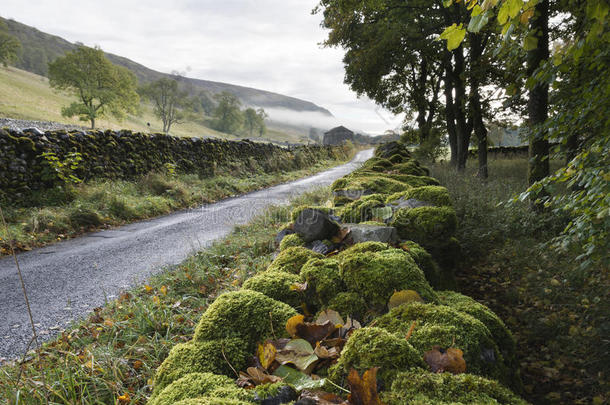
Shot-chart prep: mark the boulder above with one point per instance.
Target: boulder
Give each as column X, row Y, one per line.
column 281, row 234
column 319, row 246
column 313, row 224
column 372, row 233
column 409, row 203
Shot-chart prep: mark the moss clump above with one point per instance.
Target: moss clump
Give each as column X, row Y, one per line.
column 375, row 183
column 323, row 278
column 364, row 247
column 292, row 259
column 276, row 284
column 340, row 201
column 192, row 385
column 376, row 223
column 292, row 240
column 377, row 275
column 412, row 181
column 201, row 357
column 348, row 304
column 374, row 347
column 84, row 217
column 275, row 393
column 499, row 332
column 297, row 211
column 392, row 148
column 362, row 209
column 245, row 314
column 376, row 162
column 396, row 158
column 424, row 261
column 418, row 387
column 411, row 167
column 446, row 327
column 435, row 195
column 426, row 225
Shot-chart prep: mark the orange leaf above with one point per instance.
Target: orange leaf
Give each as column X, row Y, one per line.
column 125, row 398
column 291, row 324
column 441, row 360
column 363, row 390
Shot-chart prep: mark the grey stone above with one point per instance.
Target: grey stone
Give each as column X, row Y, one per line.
column 372, row 233
column 320, row 247
column 314, row 224
column 352, row 194
column 33, row 130
column 281, row 234
column 410, row 203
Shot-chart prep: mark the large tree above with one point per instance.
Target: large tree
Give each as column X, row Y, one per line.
column 101, row 87
column 228, row 117
column 168, row 100
column 9, row 46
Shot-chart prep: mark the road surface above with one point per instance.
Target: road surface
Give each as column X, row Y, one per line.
column 65, row 281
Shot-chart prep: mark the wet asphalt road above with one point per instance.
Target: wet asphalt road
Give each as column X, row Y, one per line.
column 65, row 281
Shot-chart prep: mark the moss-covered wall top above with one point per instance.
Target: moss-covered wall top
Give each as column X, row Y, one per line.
column 124, row 155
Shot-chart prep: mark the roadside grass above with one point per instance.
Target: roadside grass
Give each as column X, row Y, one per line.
column 63, row 213
column 111, row 357
column 558, row 314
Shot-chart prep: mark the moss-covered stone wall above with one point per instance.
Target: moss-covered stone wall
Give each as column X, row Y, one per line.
column 124, row 155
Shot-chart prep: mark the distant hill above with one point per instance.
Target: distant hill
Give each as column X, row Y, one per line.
column 40, row 48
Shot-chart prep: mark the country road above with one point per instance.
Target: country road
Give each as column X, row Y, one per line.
column 65, row 281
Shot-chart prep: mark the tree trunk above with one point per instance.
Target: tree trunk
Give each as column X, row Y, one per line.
column 462, row 126
column 92, row 123
column 537, row 105
column 450, row 112
column 476, row 50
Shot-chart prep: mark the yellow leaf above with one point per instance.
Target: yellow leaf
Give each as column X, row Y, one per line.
column 156, row 300
column 148, row 288
column 163, row 290
column 108, row 322
column 125, row 398
column 266, row 354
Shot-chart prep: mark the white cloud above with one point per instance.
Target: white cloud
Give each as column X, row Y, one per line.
column 266, row 44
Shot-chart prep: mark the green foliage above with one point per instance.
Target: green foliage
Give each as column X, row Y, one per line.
column 9, row 46
column 254, row 121
column 101, row 87
column 62, row 171
column 227, row 116
column 168, row 100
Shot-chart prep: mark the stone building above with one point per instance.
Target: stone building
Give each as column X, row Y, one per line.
column 337, row 136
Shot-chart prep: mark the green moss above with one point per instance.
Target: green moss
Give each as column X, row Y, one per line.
column 292, row 259
column 426, row 225
column 245, row 314
column 192, row 385
column 339, row 200
column 374, row 347
column 232, row 392
column 265, row 391
column 291, row 240
column 376, row 223
column 362, row 209
column 201, row 357
column 446, row 327
column 362, row 248
column 435, row 195
column 396, row 158
column 411, row 167
column 417, row 387
column 377, row 162
column 377, row 275
column 276, row 284
column 424, row 261
column 348, row 304
column 323, row 278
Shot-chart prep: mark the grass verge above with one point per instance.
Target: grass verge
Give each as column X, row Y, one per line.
column 558, row 314
column 112, row 356
column 58, row 214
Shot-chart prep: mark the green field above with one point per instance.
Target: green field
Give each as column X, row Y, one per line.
column 28, row 96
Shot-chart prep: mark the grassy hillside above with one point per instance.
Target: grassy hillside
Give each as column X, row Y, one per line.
column 26, row 95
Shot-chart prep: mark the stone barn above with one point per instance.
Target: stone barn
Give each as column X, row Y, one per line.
column 337, row 136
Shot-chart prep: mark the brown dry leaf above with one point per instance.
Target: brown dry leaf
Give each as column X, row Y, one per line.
column 292, row 323
column 363, row 390
column 259, row 376
column 313, row 332
column 298, row 287
column 404, row 297
column 332, row 316
column 266, row 354
column 324, row 352
column 450, row 360
column 411, row 329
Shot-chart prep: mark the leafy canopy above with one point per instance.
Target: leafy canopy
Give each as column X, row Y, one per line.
column 101, row 87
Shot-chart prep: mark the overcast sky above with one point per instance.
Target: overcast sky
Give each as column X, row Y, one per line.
column 266, row 44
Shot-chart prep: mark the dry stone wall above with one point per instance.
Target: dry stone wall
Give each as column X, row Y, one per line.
column 125, row 155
